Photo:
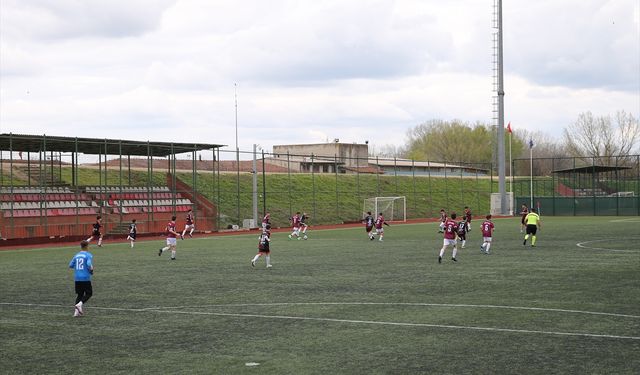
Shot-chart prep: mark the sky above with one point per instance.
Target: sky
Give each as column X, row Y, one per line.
column 307, row 71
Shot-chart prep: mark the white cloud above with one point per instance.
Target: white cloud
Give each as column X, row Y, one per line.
column 307, row 71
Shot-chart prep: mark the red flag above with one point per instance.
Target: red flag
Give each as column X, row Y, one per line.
column 509, row 127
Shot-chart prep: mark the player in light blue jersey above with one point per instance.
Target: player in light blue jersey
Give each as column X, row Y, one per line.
column 82, row 264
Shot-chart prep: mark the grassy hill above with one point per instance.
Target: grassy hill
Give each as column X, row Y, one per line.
column 327, row 198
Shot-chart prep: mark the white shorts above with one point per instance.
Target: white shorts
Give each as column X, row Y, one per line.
column 189, row 227
column 449, row 242
column 171, row 241
column 486, row 239
column 379, row 230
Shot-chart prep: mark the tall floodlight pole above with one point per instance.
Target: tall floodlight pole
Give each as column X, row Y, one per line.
column 500, row 87
column 237, row 156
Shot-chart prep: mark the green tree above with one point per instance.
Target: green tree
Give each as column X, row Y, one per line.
column 456, row 141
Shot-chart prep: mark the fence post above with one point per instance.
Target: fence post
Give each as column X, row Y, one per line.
column 289, row 183
column 313, row 187
column 430, row 189
column 335, row 169
column 264, row 187
column 413, row 180
column 378, row 177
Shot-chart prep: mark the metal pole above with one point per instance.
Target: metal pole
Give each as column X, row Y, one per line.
column 254, row 171
column 313, row 187
column 264, row 187
column 289, row 184
column 501, row 166
column 237, row 158
column 335, row 168
column 531, row 174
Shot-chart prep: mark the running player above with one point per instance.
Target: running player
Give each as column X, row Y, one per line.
column 462, row 232
column 443, row 219
column 378, row 224
column 295, row 222
column 82, row 264
column 189, row 225
column 172, row 235
column 533, row 222
column 266, row 220
column 95, row 233
column 304, row 225
column 487, row 228
column 467, row 218
column 368, row 224
column 133, row 232
column 450, row 229
column 524, row 211
column 263, row 247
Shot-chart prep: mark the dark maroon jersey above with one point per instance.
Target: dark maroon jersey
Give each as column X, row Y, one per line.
column 171, row 229
column 450, row 229
column 487, row 228
column 296, row 221
column 379, row 222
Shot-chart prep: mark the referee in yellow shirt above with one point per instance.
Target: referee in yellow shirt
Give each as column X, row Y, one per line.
column 533, row 221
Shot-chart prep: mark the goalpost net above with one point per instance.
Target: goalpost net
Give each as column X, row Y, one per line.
column 393, row 208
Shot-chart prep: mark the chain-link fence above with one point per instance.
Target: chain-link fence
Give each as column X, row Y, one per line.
column 579, row 186
column 60, row 189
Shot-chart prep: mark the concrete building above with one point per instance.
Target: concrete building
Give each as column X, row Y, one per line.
column 322, row 157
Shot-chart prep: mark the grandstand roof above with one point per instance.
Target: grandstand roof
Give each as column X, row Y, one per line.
column 592, row 169
column 95, row 146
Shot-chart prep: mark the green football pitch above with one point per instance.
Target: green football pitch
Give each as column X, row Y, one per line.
column 335, row 304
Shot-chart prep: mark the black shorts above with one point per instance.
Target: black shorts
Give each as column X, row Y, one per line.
column 83, row 287
column 132, row 235
column 532, row 229
column 462, row 236
column 369, row 229
column 264, row 249
column 96, row 233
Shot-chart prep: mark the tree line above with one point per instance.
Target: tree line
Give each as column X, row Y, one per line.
column 603, row 140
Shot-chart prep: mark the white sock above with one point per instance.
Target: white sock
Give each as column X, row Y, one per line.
column 132, row 243
column 268, row 259
column 464, row 242
column 165, row 249
column 191, row 232
column 441, row 252
column 255, row 258
column 455, row 251
column 487, row 246
column 183, row 232
column 100, row 241
column 173, row 253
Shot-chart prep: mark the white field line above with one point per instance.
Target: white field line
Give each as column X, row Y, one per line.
column 628, row 220
column 585, row 245
column 334, row 320
column 402, row 304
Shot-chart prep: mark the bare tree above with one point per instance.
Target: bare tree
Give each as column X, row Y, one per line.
column 387, row 151
column 600, row 139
